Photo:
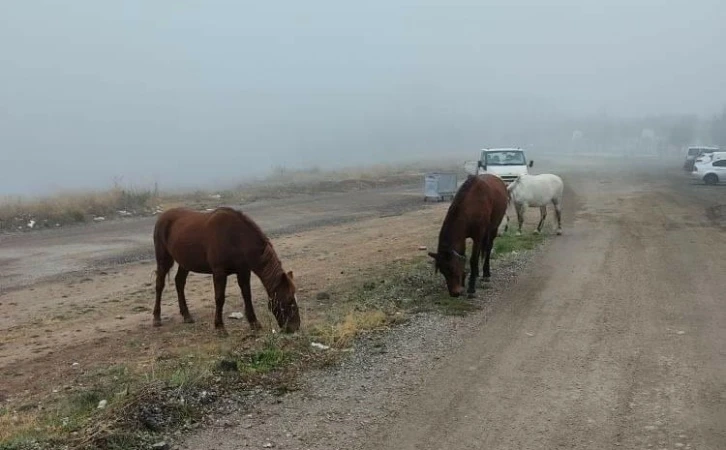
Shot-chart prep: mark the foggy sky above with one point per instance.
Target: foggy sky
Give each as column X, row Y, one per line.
column 187, row 92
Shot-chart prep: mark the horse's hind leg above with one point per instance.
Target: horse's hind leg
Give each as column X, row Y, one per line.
column 243, row 279
column 220, row 285
column 164, row 262
column 181, row 280
column 543, row 216
column 558, row 214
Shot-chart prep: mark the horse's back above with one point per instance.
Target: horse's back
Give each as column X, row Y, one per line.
column 549, row 179
column 555, row 183
column 499, row 198
column 198, row 220
column 495, row 184
column 538, row 190
column 176, row 218
column 488, row 196
column 222, row 238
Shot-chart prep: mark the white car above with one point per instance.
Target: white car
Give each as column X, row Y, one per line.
column 506, row 163
column 711, row 170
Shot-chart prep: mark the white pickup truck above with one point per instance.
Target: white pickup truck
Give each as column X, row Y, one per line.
column 506, row 163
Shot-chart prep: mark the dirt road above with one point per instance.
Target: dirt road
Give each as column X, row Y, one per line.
column 614, row 336
column 31, row 257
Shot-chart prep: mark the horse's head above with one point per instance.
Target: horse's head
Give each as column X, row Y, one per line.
column 451, row 265
column 283, row 304
column 503, row 225
column 513, row 187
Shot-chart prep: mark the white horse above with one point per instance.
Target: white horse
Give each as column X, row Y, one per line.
column 537, row 191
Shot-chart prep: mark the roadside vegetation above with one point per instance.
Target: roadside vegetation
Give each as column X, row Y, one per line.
column 135, row 406
column 21, row 214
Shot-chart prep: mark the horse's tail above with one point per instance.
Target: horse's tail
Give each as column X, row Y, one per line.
column 154, row 272
column 164, row 259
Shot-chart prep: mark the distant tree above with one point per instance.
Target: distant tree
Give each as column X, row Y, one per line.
column 718, row 129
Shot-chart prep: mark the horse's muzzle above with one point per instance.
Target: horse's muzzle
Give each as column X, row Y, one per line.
column 292, row 325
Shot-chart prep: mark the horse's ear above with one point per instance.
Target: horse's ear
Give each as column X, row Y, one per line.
column 289, row 274
column 435, row 256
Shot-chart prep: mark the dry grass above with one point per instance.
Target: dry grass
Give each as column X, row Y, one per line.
column 73, row 208
column 354, row 323
column 17, row 425
column 59, row 210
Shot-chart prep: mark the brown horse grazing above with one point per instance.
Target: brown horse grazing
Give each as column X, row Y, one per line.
column 222, row 242
column 476, row 212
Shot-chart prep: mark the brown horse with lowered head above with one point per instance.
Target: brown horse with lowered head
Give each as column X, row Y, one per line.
column 476, row 213
column 222, row 242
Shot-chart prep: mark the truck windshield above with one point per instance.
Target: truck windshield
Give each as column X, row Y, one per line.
column 505, row 158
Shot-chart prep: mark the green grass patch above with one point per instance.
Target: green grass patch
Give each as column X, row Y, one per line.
column 409, row 287
column 414, row 287
column 509, row 242
column 265, row 360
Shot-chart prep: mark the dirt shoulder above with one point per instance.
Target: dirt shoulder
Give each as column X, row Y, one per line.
column 105, row 316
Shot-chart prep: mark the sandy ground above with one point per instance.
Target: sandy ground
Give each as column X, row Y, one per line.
column 613, row 336
column 31, row 257
column 101, row 314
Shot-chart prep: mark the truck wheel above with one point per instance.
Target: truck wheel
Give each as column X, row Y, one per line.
column 710, row 179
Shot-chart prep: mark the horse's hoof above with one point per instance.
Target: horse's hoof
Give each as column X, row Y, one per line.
column 471, row 295
column 486, row 279
column 559, row 232
column 519, row 233
column 536, row 231
column 255, row 326
column 157, row 322
column 188, row 319
column 221, row 332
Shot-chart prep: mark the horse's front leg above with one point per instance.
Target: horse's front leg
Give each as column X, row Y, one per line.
column 243, row 279
column 220, row 285
column 488, row 245
column 474, row 267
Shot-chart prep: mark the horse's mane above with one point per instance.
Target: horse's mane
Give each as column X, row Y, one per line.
column 269, row 269
column 268, row 266
column 461, row 194
column 247, row 221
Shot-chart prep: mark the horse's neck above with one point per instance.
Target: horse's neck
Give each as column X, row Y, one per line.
column 269, row 270
column 453, row 235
